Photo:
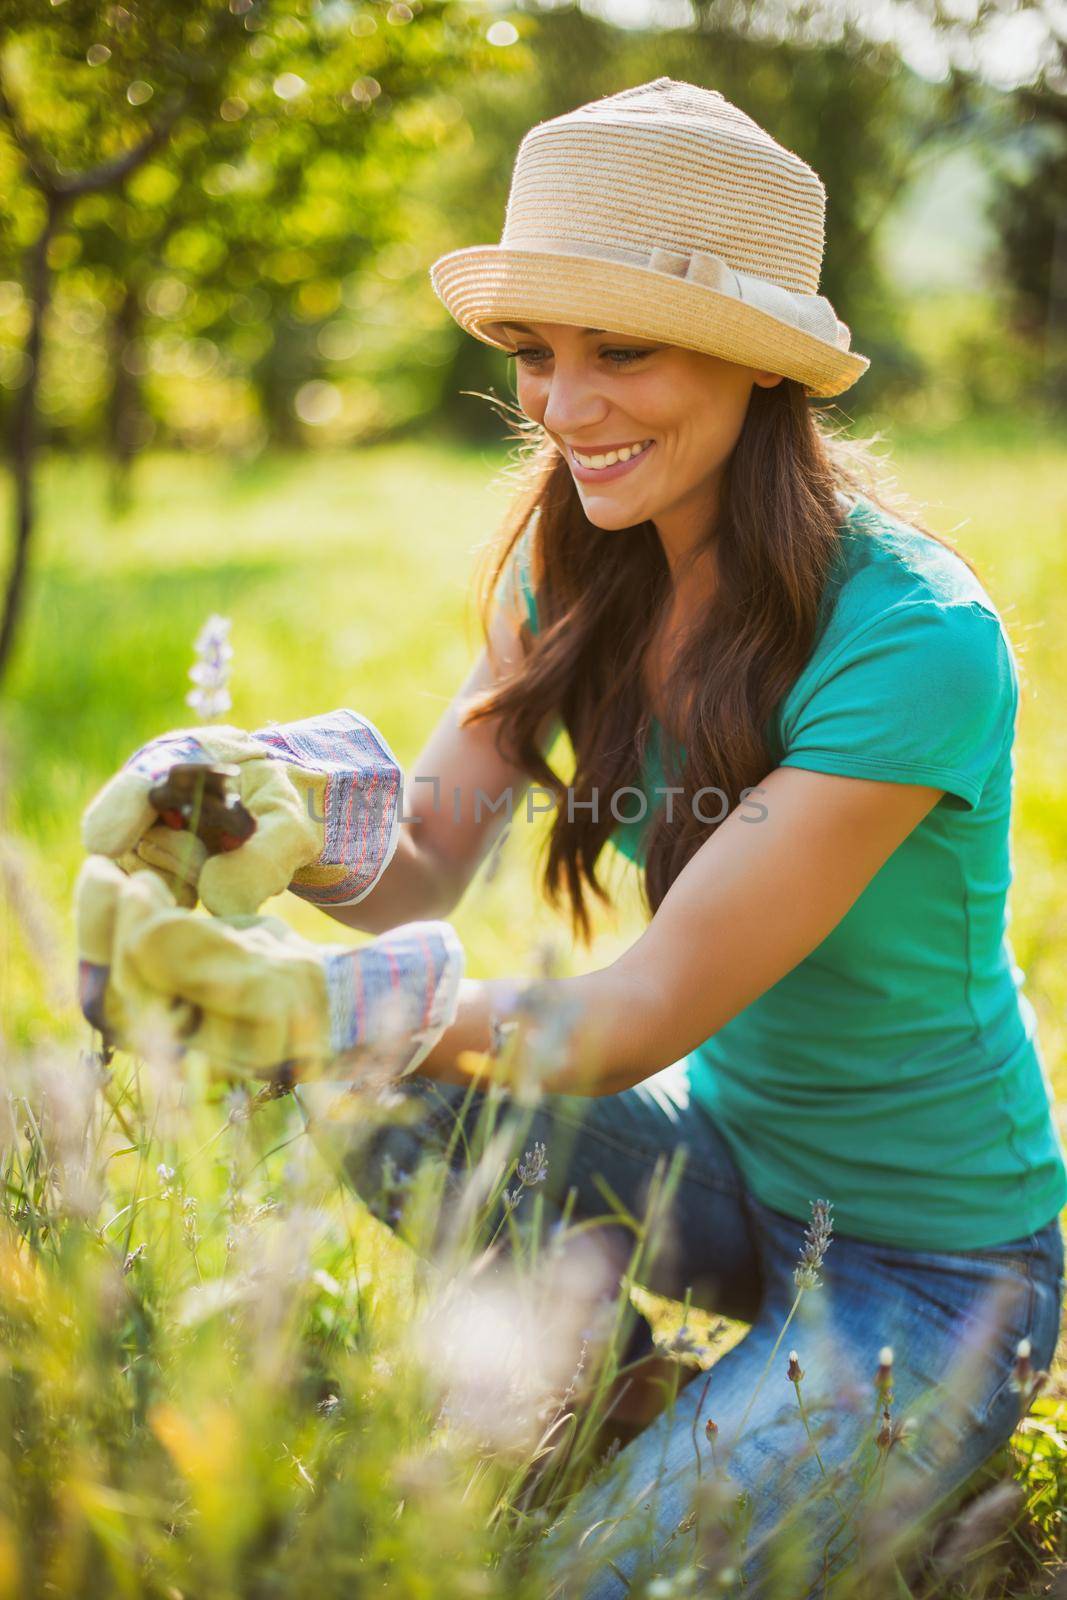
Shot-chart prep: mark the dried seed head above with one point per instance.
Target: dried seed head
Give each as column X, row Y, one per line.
column 986, row 1519
column 132, row 1259
column 817, row 1236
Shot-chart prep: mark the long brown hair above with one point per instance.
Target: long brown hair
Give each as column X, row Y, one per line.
column 600, row 597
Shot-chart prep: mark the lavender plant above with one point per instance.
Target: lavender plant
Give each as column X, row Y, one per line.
column 210, row 672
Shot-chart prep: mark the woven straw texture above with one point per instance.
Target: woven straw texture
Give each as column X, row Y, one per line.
column 665, row 212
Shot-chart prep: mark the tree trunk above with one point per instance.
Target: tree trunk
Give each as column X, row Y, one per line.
column 25, row 428
column 124, row 415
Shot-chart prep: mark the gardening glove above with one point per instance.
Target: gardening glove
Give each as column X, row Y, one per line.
column 255, row 996
column 325, row 793
column 96, row 901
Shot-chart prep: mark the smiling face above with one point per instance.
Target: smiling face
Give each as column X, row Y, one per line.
column 678, row 411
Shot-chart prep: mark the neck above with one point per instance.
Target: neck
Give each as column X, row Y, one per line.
column 692, row 563
column 683, row 531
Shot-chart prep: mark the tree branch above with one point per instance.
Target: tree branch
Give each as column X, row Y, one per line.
column 44, row 174
column 108, row 175
column 112, row 173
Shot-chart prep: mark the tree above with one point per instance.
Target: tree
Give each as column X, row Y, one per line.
column 232, row 144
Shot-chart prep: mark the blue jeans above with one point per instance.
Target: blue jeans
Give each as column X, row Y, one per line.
column 953, row 1319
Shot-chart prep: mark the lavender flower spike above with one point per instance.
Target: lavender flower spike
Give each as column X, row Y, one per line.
column 533, row 1168
column 817, row 1237
column 211, row 670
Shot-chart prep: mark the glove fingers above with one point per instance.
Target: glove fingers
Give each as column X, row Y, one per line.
column 115, row 819
column 96, row 896
column 263, row 1000
column 237, row 882
column 175, row 856
column 255, row 1047
column 171, row 951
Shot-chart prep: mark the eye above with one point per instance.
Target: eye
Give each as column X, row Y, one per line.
column 532, row 357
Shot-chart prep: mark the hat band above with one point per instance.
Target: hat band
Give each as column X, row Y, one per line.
column 810, row 313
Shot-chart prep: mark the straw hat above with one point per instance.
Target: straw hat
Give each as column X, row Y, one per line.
column 663, row 211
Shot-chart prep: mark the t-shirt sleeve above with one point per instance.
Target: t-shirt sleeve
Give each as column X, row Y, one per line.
column 923, row 693
column 516, row 590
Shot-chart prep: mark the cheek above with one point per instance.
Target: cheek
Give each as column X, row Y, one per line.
column 531, row 393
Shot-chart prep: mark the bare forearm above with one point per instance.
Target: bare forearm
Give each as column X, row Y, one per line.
column 411, row 889
column 588, row 1036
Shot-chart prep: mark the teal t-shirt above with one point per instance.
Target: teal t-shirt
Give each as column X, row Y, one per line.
column 896, row 1071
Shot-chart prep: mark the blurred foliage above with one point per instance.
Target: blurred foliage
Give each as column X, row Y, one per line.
column 264, row 276
column 211, row 295
column 1031, row 219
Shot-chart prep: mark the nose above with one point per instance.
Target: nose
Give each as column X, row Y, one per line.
column 572, row 405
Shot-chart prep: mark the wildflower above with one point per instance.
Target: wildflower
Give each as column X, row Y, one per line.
column 131, row 1260
column 211, row 669
column 711, row 1428
column 165, row 1173
column 533, row 1168
column 817, row 1237
column 883, row 1378
column 794, row 1371
column 1023, row 1370
column 511, row 1198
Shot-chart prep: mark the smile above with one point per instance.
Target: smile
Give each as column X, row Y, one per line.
column 612, row 465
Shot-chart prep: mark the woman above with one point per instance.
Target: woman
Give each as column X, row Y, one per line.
column 824, row 1003
column 816, row 703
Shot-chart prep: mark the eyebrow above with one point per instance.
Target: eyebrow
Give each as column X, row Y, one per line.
column 521, row 326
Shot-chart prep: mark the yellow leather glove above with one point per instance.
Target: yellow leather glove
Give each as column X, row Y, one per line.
column 325, row 793
column 249, row 991
column 124, row 1020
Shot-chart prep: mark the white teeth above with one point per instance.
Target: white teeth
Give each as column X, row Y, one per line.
column 625, row 454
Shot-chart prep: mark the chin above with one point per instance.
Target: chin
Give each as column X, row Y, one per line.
column 612, row 522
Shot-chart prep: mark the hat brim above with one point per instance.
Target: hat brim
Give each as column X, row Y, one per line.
column 487, row 284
